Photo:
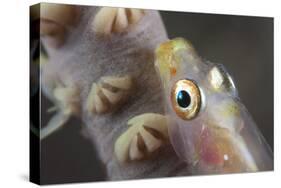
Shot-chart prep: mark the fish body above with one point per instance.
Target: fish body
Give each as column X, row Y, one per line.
column 209, row 128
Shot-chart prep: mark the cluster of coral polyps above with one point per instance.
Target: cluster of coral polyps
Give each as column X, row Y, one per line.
column 100, row 68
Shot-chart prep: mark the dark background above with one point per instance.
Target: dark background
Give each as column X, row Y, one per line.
column 243, row 44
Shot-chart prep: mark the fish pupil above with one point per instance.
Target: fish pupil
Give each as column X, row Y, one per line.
column 183, row 99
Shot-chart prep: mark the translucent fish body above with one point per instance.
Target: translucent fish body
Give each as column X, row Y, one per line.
column 219, row 136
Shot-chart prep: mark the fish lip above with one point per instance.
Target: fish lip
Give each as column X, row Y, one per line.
column 183, row 140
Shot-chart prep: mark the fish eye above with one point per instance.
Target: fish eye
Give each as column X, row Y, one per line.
column 186, row 99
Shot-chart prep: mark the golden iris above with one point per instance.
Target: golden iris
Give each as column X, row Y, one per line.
column 186, row 99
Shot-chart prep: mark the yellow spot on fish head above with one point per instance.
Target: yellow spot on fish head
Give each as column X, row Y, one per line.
column 173, row 71
column 168, row 60
column 229, row 109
